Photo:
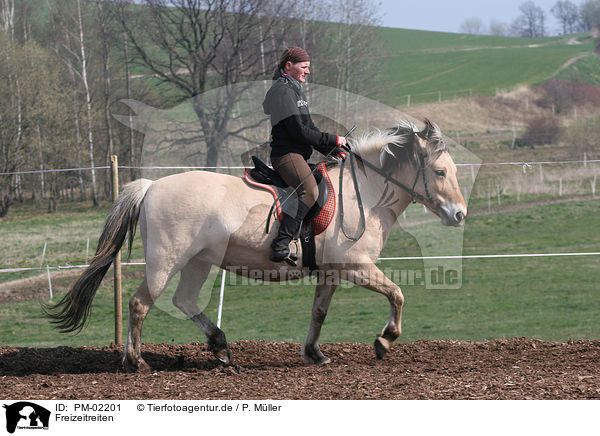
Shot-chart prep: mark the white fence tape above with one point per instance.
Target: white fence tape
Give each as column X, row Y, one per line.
column 230, row 167
column 380, row 259
column 489, row 256
column 60, row 170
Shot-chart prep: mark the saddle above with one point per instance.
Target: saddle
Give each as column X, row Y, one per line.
column 317, row 219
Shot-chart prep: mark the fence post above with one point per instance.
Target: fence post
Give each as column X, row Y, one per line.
column 221, row 296
column 114, row 164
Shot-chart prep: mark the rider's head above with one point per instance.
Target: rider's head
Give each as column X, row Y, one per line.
column 295, row 62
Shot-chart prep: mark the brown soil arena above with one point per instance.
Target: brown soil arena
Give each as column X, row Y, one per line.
column 499, row 369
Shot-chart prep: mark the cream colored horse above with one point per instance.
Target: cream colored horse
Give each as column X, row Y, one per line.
column 194, row 220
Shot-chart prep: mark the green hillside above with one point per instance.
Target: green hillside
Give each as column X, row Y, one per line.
column 432, row 65
column 424, row 64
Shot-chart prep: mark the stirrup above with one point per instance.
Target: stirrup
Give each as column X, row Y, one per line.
column 292, row 258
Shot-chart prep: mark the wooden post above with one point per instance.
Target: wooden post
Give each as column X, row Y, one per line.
column 114, row 161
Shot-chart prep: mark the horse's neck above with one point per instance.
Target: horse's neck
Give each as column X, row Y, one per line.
column 381, row 201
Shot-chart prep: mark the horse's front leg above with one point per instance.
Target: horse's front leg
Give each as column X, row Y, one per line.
column 311, row 351
column 371, row 277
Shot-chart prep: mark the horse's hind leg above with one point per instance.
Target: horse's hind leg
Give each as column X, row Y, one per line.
column 193, row 276
column 139, row 306
column 311, row 351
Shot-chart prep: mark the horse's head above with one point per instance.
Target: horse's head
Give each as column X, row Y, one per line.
column 434, row 182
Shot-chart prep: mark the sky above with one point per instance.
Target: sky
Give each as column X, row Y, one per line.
column 448, row 15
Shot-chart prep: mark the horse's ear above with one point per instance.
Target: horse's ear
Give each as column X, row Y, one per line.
column 430, row 130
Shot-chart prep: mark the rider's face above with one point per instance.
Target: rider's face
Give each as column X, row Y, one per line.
column 298, row 71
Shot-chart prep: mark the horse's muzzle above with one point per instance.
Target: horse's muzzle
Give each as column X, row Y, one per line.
column 452, row 214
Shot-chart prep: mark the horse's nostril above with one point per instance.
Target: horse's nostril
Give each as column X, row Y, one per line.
column 459, row 216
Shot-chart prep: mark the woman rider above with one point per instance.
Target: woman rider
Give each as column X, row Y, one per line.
column 293, row 136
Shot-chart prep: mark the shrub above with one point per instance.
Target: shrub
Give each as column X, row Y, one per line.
column 563, row 95
column 583, row 136
column 543, row 129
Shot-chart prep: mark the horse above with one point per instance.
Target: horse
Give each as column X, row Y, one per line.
column 193, row 220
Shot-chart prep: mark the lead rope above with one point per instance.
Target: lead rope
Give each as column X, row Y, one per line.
column 358, row 199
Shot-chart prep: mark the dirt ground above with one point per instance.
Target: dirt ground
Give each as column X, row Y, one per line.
column 500, row 369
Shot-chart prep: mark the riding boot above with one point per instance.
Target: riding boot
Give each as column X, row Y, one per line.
column 288, row 230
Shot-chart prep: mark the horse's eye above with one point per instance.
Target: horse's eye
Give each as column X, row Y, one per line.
column 440, row 173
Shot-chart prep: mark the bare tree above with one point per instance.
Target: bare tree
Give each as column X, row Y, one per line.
column 127, row 76
column 567, row 13
column 73, row 49
column 88, row 100
column 7, row 17
column 196, row 45
column 589, row 15
column 104, row 21
column 472, row 25
column 532, row 21
column 348, row 53
column 497, row 28
column 32, row 101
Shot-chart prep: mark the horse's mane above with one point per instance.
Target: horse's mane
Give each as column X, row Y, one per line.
column 376, row 140
column 403, row 137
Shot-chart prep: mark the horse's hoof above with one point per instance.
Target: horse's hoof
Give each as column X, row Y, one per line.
column 382, row 346
column 141, row 367
column 223, row 355
column 323, row 361
column 218, row 345
column 312, row 357
column 317, row 362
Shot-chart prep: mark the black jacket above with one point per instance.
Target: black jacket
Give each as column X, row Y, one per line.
column 293, row 130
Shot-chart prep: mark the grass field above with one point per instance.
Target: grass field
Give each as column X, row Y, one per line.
column 424, row 64
column 545, row 298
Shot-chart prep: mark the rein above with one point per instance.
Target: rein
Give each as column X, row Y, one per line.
column 358, row 199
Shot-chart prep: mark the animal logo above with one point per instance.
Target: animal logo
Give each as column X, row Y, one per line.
column 24, row 414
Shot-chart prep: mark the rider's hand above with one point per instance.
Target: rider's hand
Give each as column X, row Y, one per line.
column 342, row 155
column 341, row 141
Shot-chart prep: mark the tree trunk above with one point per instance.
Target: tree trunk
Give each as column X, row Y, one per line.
column 42, row 175
column 8, row 18
column 88, row 99
column 132, row 161
column 76, row 118
column 110, row 148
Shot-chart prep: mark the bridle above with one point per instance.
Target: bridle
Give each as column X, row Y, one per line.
column 414, row 194
column 426, row 199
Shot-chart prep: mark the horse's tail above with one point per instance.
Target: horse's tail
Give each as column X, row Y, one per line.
column 71, row 312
